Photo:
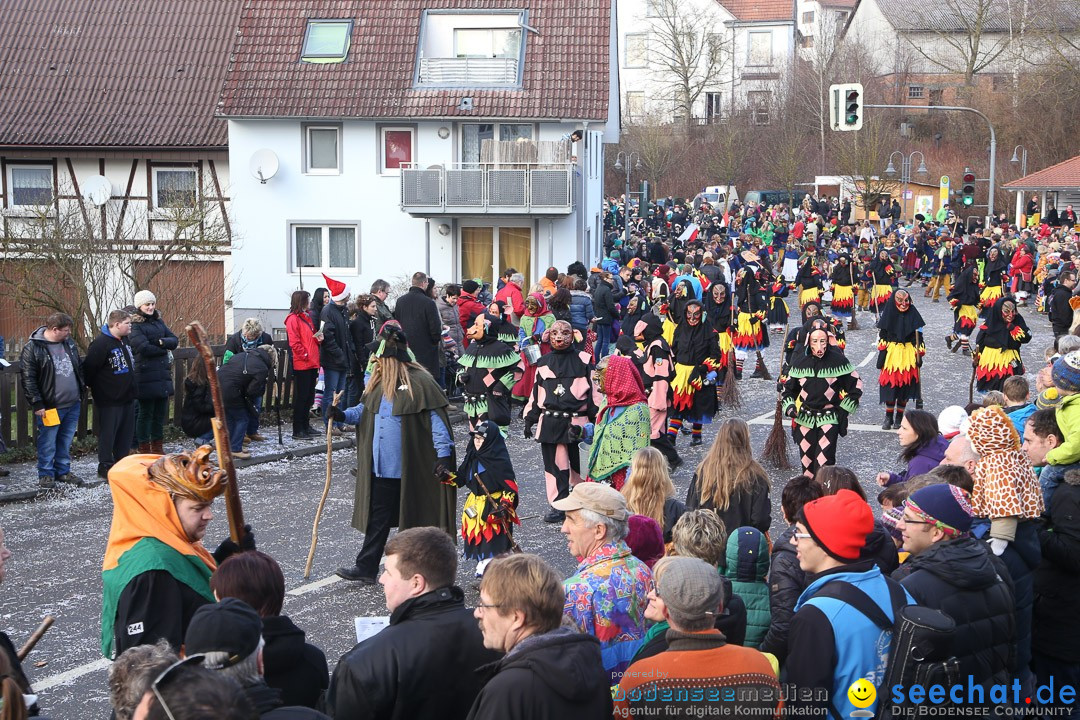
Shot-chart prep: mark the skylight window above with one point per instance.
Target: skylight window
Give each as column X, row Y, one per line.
column 327, row 41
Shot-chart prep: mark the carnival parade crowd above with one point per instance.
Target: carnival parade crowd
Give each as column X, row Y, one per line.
column 967, row 577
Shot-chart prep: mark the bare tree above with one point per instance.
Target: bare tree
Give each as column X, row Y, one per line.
column 689, row 48
column 817, row 71
column 861, row 157
column 67, row 256
column 661, row 150
column 970, row 34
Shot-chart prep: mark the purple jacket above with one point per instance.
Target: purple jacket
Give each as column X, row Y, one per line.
column 926, row 460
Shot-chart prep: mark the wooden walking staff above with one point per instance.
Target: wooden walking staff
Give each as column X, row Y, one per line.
column 37, row 635
column 326, row 488
column 233, row 509
column 853, row 324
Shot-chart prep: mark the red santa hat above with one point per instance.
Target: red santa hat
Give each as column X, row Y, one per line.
column 338, row 290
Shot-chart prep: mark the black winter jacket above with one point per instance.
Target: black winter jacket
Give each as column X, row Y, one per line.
column 38, row 373
column 555, row 675
column 1056, row 631
column 269, row 705
column 753, row 508
column 603, row 301
column 295, row 667
column 151, row 340
column 422, row 666
column 243, row 379
column 1059, row 309
column 881, row 549
column 787, row 580
column 109, row 369
column 197, row 410
column 336, row 351
column 235, row 342
column 964, row 580
column 420, row 320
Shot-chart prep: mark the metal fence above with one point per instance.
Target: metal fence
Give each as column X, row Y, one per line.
column 16, row 425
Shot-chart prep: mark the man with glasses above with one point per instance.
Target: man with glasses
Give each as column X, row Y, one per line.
column 423, row 665
column 951, row 571
column 187, row 691
column 549, row 670
column 831, row 643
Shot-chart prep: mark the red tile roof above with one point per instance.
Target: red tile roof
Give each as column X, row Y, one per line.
column 1063, row 175
column 565, row 74
column 761, row 10
column 114, row 73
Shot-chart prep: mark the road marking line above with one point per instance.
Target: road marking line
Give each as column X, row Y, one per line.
column 73, row 674
column 869, row 356
column 311, row 587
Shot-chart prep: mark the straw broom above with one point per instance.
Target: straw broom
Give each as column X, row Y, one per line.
column 728, row 395
column 775, row 450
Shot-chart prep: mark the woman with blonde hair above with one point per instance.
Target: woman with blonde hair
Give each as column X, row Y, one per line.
column 731, row 482
column 650, row 492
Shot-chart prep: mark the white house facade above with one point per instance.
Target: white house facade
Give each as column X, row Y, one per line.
column 442, row 143
column 743, row 49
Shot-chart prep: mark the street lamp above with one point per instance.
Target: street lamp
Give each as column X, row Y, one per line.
column 905, row 168
column 635, row 159
column 1022, row 159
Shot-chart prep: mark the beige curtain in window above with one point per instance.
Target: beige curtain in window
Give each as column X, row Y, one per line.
column 477, row 252
column 515, row 250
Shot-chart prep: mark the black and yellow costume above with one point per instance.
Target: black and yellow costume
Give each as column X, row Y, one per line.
column 997, row 347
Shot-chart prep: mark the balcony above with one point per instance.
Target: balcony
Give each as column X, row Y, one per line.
column 518, row 189
column 467, row 72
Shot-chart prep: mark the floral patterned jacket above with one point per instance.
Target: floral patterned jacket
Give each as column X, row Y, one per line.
column 606, row 598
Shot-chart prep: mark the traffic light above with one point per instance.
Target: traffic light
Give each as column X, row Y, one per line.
column 967, row 188
column 644, row 193
column 846, row 109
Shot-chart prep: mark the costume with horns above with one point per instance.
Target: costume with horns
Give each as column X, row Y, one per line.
column 154, row 576
column 818, row 395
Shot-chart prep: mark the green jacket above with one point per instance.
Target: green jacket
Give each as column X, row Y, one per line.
column 1068, row 419
column 747, row 566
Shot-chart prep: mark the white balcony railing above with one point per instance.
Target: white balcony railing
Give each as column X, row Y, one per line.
column 468, row 72
column 477, row 189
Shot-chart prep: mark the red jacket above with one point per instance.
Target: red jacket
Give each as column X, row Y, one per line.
column 468, row 308
column 512, row 297
column 1022, row 265
column 302, row 342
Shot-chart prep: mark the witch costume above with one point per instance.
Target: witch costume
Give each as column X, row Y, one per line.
column 992, row 278
column 487, row 374
column 622, row 425
column 657, row 370
column 843, row 296
column 491, row 508
column 749, row 336
column 720, row 315
column 696, row 351
column 900, row 354
column 997, row 347
column 779, row 314
column 819, row 395
column 560, row 406
column 964, row 299
column 808, row 281
column 882, row 275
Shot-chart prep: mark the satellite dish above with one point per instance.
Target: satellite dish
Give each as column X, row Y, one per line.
column 263, row 165
column 97, row 190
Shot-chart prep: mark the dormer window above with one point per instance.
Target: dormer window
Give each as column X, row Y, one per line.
column 326, row 41
column 471, row 49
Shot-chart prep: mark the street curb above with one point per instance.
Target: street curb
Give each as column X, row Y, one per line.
column 293, row 454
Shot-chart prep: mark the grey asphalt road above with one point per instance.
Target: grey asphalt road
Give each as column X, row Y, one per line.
column 58, row 541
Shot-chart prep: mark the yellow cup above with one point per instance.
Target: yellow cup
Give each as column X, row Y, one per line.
column 51, row 419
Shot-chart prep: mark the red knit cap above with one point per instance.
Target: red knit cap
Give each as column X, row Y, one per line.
column 839, row 523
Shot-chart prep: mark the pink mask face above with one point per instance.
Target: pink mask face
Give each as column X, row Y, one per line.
column 561, row 336
column 819, row 342
column 903, row 301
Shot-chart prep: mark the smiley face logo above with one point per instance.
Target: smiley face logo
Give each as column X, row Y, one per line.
column 862, row 693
